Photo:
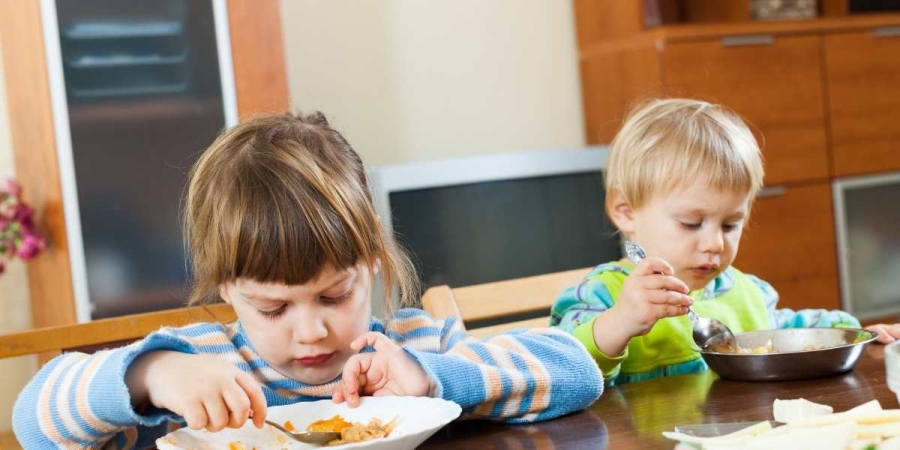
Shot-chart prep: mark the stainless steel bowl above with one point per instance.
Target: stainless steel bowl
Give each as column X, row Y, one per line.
column 799, row 353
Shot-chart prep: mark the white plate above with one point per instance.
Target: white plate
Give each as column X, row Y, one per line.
column 419, row 418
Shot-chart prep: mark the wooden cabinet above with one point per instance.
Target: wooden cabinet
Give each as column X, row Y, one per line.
column 863, row 73
column 790, row 243
column 772, row 82
column 612, row 82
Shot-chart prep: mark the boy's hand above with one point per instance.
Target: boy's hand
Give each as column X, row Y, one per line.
column 389, row 370
column 650, row 293
column 887, row 333
column 206, row 391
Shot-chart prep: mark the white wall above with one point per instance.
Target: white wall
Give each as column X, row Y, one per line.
column 15, row 307
column 409, row 80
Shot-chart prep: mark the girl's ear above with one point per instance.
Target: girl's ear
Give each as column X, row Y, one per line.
column 223, row 292
column 620, row 212
column 376, row 267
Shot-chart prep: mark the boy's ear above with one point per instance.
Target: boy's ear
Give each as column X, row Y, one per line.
column 620, row 211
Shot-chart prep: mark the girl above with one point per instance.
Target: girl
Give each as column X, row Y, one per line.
column 281, row 226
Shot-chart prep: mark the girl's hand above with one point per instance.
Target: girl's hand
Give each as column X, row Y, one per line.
column 389, row 370
column 650, row 293
column 207, row 391
column 886, row 333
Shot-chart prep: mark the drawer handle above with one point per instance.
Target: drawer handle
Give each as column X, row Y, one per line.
column 887, row 32
column 771, row 191
column 759, row 39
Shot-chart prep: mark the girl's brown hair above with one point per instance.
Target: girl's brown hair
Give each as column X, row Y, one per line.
column 277, row 199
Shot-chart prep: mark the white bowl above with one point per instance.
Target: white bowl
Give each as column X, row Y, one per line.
column 892, row 367
column 419, row 418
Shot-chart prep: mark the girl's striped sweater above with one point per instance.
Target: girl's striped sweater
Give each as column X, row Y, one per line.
column 79, row 400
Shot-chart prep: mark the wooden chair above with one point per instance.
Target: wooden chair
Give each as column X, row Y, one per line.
column 107, row 332
column 492, row 308
column 99, row 334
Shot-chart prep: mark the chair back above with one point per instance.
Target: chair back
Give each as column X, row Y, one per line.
column 99, row 334
column 106, row 333
column 492, row 308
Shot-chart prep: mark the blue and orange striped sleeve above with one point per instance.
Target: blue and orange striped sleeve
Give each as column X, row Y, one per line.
column 79, row 400
column 520, row 376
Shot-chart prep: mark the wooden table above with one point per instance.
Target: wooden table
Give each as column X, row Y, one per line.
column 632, row 416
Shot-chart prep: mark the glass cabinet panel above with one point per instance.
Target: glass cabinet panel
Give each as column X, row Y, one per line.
column 144, row 97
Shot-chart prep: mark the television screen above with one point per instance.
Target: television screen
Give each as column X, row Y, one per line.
column 474, row 233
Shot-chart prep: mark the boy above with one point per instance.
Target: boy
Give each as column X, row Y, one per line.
column 681, row 181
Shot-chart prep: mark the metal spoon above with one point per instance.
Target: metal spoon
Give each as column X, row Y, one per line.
column 707, row 333
column 308, row 437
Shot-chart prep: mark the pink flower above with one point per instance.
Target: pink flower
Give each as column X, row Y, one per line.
column 17, row 231
column 11, row 187
column 30, row 247
column 23, row 214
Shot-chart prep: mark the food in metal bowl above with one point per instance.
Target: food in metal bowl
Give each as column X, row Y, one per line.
column 789, row 354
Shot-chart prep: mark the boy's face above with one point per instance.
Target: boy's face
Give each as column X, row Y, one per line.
column 304, row 331
column 696, row 228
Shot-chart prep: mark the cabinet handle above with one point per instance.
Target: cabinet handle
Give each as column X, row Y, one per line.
column 758, row 39
column 886, row 32
column 772, row 191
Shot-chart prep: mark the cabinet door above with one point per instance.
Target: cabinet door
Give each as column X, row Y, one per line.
column 775, row 83
column 863, row 72
column 613, row 81
column 790, row 243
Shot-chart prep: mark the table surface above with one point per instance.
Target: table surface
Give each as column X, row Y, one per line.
column 633, row 416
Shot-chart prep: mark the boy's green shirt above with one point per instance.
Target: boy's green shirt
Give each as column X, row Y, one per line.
column 743, row 302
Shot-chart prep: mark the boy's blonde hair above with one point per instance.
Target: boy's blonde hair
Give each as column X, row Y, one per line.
column 277, row 199
column 665, row 144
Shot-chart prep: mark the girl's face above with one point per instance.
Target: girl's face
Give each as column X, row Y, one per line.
column 696, row 229
column 304, row 331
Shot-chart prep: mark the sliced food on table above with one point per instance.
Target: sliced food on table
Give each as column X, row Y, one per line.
column 802, row 424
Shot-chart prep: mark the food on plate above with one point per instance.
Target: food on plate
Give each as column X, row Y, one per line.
column 239, row 446
column 335, row 424
column 813, row 426
column 790, row 410
column 414, row 420
column 353, row 432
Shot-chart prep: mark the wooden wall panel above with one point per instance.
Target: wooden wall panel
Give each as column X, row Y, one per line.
column 791, row 244
column 257, row 47
column 715, row 11
column 34, row 149
column 776, row 86
column 613, row 81
column 598, row 20
column 863, row 72
column 834, row 8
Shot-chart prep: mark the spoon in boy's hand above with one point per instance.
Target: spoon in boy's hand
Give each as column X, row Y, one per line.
column 708, row 333
column 308, row 437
